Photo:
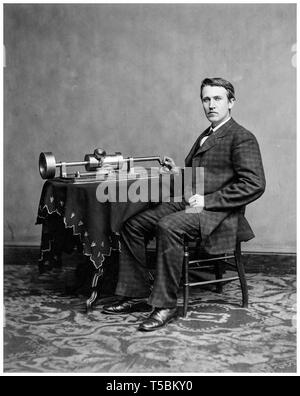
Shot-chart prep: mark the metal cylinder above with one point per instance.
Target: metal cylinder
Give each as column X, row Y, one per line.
column 115, row 161
column 91, row 162
column 47, row 165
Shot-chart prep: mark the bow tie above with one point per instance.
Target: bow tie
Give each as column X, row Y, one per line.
column 210, row 131
column 206, row 135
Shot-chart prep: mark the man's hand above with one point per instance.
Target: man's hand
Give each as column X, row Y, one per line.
column 196, row 203
column 169, row 165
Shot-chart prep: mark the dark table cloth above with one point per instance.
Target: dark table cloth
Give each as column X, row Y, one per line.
column 71, row 215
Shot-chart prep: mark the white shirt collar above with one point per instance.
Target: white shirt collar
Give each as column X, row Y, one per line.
column 222, row 123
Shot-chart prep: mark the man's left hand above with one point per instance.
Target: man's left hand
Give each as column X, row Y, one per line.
column 197, row 201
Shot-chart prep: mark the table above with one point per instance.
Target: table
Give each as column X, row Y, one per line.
column 73, row 215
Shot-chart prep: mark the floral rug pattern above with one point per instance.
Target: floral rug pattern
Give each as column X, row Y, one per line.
column 47, row 330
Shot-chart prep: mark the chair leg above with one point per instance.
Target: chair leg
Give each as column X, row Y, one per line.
column 219, row 275
column 185, row 279
column 242, row 276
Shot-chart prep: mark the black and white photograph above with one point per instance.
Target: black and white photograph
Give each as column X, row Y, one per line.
column 149, row 191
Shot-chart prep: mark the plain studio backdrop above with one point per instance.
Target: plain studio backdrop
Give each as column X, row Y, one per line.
column 126, row 77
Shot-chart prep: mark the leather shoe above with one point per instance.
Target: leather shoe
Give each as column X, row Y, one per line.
column 127, row 306
column 160, row 317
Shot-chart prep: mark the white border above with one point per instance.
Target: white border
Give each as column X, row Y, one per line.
column 1, row 199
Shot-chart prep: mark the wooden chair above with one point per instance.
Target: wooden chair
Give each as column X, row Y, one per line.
column 215, row 263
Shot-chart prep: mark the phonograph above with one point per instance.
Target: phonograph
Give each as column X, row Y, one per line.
column 97, row 166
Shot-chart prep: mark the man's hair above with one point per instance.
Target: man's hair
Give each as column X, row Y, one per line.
column 218, row 82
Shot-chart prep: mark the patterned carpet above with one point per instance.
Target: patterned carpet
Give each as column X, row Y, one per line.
column 46, row 330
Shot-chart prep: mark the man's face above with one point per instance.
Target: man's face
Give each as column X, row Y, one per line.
column 216, row 104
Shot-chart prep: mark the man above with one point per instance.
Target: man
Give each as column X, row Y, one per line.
column 233, row 177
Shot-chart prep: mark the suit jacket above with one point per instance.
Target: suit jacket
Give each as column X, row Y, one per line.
column 233, row 177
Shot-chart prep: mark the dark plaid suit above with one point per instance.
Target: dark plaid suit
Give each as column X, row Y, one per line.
column 233, row 177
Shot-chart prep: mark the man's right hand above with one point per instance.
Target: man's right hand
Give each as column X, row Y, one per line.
column 169, row 163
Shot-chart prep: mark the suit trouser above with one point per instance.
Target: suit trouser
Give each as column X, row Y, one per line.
column 170, row 223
